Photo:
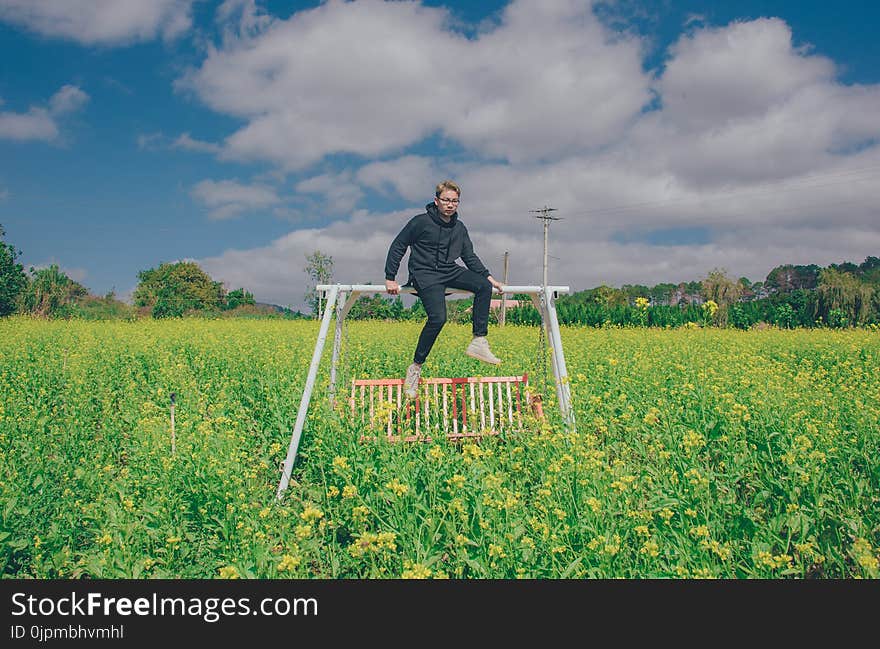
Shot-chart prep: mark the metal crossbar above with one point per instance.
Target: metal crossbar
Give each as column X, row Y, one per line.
column 455, row 408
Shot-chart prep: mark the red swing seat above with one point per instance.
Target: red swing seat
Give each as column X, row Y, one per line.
column 454, row 408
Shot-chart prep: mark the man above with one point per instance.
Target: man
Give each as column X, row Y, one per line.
column 436, row 239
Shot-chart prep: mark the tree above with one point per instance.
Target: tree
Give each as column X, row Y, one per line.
column 634, row 291
column 319, row 268
column 237, row 298
column 173, row 289
column 12, row 277
column 788, row 278
column 609, row 297
column 662, row 293
column 51, row 293
column 723, row 291
column 843, row 298
column 869, row 270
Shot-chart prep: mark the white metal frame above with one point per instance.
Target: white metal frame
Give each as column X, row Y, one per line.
column 341, row 297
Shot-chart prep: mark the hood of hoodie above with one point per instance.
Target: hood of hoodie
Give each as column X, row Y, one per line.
column 434, row 213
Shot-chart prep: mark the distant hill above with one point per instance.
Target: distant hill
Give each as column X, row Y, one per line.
column 273, row 307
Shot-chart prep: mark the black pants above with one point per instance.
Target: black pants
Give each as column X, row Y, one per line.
column 434, row 300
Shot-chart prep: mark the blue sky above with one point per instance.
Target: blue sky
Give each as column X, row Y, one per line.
column 673, row 137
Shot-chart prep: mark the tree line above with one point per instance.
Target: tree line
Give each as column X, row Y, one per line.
column 170, row 290
column 839, row 295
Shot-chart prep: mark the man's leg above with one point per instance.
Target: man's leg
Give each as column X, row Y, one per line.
column 434, row 300
column 482, row 290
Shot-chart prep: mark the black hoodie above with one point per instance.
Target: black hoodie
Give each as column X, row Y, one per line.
column 434, row 246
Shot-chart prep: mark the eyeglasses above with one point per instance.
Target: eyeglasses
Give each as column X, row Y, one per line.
column 448, row 201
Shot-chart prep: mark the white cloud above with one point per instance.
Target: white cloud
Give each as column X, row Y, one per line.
column 39, row 123
column 188, row 143
column 737, row 72
column 36, row 124
column 312, row 85
column 229, row 198
column 407, row 176
column 67, row 100
column 755, row 154
column 151, row 141
column 103, row 22
column 339, row 194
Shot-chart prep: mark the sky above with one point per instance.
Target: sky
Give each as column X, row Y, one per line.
column 671, row 137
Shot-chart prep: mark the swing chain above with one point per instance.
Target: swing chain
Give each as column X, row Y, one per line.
column 542, row 347
column 342, row 378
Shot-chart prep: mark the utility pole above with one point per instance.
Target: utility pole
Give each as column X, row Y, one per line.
column 545, row 216
column 504, row 295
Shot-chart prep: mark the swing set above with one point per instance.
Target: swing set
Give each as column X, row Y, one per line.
column 455, row 408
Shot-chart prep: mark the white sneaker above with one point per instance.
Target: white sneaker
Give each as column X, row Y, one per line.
column 411, row 382
column 479, row 349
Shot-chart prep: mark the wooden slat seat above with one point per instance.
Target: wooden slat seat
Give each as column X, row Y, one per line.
column 455, row 408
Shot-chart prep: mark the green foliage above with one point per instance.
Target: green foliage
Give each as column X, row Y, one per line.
column 319, row 268
column 844, row 298
column 51, row 293
column 238, row 297
column 788, row 278
column 373, row 307
column 784, row 316
column 172, row 290
column 12, row 277
column 698, row 454
column 723, row 291
column 93, row 307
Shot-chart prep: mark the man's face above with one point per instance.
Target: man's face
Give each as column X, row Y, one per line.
column 447, row 202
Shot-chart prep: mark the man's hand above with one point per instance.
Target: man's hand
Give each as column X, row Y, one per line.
column 498, row 286
column 392, row 287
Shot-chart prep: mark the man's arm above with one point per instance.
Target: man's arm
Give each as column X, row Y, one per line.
column 395, row 254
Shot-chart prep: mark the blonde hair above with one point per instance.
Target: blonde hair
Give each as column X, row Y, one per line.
column 447, row 185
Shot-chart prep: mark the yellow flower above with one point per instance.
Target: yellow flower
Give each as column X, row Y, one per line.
column 864, row 554
column 288, row 562
column 457, row 481
column 360, row 512
column 496, row 551
column 349, row 491
column 311, row 513
column 700, row 531
column 415, row 571
column 650, row 548
column 472, row 451
column 397, row 487
column 693, row 441
column 229, row 572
